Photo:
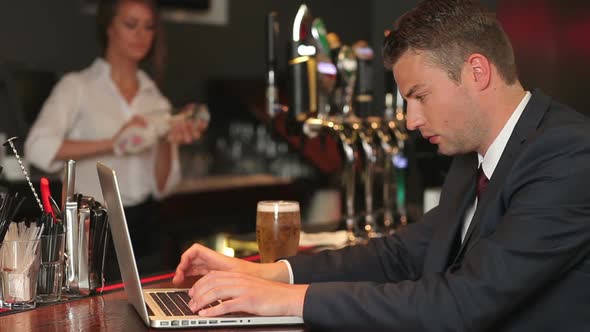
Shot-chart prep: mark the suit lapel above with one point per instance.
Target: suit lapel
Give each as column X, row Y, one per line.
column 461, row 192
column 525, row 127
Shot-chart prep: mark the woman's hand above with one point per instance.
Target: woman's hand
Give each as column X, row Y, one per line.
column 133, row 137
column 185, row 127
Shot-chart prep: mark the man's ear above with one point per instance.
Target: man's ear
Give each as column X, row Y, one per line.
column 479, row 70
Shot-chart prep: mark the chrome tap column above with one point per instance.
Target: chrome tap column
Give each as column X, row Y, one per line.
column 399, row 159
column 393, row 142
column 370, row 122
column 272, row 32
column 345, row 129
column 345, row 126
column 392, row 136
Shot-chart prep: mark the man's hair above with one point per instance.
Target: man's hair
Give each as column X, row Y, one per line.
column 106, row 12
column 450, row 31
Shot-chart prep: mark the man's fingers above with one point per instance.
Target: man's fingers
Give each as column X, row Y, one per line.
column 224, row 307
column 189, row 263
column 214, row 296
column 212, row 280
column 178, row 277
column 191, row 254
column 190, row 271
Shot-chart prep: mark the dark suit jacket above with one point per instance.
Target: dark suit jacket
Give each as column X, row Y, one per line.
column 524, row 264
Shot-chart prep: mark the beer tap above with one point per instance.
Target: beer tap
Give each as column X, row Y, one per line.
column 326, row 69
column 393, row 136
column 387, row 145
column 370, row 122
column 345, row 126
column 345, row 130
column 347, row 67
column 365, row 133
column 399, row 160
column 303, row 72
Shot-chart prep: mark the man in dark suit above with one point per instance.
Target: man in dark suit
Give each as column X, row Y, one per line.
column 506, row 254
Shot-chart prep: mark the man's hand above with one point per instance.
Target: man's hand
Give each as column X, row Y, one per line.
column 240, row 292
column 199, row 260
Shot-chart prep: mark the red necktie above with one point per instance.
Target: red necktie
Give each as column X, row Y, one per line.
column 482, row 183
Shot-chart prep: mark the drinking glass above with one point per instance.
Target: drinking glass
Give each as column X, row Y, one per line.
column 50, row 279
column 19, row 269
column 278, row 224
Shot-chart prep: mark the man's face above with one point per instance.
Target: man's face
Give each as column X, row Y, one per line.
column 442, row 109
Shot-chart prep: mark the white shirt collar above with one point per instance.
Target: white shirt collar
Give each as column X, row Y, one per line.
column 101, row 68
column 492, row 157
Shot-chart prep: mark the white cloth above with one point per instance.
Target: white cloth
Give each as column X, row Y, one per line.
column 489, row 162
column 86, row 105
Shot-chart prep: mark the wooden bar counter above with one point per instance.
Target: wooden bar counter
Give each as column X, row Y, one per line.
column 106, row 312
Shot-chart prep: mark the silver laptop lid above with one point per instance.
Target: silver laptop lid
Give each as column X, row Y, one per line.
column 121, row 239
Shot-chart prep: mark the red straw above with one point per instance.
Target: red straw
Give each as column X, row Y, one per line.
column 45, row 193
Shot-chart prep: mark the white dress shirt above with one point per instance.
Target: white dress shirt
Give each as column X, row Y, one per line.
column 489, row 162
column 87, row 105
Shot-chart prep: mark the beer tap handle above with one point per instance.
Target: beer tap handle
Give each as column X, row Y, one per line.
column 400, row 163
column 364, row 82
column 388, row 221
column 347, row 67
column 302, row 70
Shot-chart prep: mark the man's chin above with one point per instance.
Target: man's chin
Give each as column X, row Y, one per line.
column 449, row 151
column 446, row 150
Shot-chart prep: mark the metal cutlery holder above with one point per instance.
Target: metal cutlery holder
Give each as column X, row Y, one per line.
column 86, row 222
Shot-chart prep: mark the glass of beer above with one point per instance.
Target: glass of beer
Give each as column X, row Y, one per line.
column 278, row 224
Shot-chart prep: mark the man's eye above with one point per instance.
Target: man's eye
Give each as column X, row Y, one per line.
column 420, row 98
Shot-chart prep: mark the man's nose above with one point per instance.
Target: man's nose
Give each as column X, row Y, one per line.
column 414, row 118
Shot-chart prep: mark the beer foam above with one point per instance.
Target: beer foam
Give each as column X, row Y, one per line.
column 282, row 206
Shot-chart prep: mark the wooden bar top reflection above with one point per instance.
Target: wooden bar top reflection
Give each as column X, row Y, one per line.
column 107, row 312
column 228, row 182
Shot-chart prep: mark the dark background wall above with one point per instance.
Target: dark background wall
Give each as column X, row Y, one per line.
column 550, row 38
column 551, row 41
column 58, row 35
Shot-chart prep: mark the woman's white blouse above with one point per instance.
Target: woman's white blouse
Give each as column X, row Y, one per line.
column 86, row 105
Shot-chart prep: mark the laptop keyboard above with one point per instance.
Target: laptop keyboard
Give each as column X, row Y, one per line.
column 173, row 303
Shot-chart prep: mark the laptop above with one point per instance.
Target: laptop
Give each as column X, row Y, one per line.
column 161, row 308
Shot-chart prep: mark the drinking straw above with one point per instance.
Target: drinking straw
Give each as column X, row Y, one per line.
column 19, row 231
column 8, row 210
column 45, row 194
